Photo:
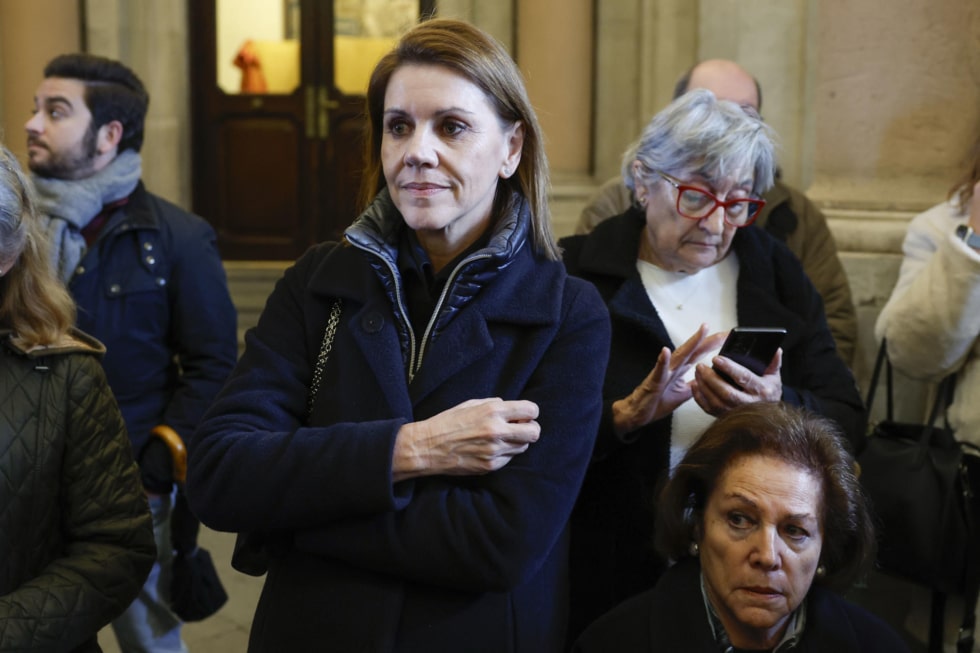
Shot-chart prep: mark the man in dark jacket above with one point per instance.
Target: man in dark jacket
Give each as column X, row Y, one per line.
column 147, row 279
column 789, row 215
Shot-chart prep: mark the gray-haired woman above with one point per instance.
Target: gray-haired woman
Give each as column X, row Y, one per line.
column 684, row 262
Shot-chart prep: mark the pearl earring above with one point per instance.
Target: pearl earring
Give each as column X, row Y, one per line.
column 694, row 549
column 821, row 571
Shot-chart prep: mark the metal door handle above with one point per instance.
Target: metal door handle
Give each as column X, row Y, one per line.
column 325, row 105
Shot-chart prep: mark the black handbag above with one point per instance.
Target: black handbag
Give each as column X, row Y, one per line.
column 918, row 478
column 195, row 588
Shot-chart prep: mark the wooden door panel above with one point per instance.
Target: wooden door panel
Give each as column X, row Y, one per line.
column 259, row 175
column 340, row 177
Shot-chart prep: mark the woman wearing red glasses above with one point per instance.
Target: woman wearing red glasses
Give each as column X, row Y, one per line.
column 678, row 270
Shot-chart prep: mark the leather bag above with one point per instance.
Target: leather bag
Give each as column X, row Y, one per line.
column 918, row 477
column 196, row 591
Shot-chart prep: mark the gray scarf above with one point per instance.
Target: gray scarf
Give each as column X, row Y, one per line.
column 68, row 205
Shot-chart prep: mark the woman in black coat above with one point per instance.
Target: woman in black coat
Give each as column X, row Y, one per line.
column 413, row 414
column 766, row 519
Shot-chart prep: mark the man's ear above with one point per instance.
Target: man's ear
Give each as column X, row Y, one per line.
column 109, row 136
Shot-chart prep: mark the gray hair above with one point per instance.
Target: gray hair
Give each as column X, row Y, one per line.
column 711, row 137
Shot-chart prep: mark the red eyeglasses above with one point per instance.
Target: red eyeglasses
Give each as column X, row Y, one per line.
column 697, row 204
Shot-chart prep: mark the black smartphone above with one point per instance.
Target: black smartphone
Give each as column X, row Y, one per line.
column 751, row 347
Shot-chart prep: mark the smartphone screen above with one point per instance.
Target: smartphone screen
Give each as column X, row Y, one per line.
column 752, row 348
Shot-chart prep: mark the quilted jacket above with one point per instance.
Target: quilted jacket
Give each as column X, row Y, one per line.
column 76, row 539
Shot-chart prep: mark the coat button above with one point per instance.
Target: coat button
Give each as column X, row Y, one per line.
column 161, row 281
column 148, row 247
column 115, row 289
column 372, row 322
column 80, row 269
column 150, row 260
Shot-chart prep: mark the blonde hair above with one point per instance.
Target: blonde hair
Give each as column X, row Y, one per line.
column 481, row 59
column 33, row 302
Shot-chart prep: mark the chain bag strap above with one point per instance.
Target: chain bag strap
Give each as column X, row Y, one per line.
column 254, row 549
column 321, row 360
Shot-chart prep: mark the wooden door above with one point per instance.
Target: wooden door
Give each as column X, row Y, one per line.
column 277, row 168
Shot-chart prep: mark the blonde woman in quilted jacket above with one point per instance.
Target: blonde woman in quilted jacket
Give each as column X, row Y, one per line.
column 76, row 540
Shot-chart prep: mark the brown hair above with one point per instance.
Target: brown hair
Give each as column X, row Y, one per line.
column 33, row 302
column 796, row 436
column 481, row 59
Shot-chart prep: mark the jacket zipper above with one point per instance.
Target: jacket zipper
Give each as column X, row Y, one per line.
column 415, row 363
column 435, row 311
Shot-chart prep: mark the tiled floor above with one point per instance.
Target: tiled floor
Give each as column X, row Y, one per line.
column 227, row 630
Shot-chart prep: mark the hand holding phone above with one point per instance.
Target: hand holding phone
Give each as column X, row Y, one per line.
column 752, row 348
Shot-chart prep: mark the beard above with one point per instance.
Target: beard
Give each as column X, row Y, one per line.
column 74, row 163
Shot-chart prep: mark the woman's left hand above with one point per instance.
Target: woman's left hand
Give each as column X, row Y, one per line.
column 716, row 396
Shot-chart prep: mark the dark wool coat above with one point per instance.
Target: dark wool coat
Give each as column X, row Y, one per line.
column 76, row 539
column 672, row 617
column 153, row 289
column 440, row 563
column 612, row 526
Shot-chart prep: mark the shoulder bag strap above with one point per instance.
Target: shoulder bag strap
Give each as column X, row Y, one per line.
column 971, row 589
column 321, row 359
column 968, row 486
column 873, row 384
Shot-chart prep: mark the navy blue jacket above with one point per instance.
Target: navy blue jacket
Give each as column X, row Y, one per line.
column 672, row 617
column 439, row 563
column 613, row 521
column 152, row 288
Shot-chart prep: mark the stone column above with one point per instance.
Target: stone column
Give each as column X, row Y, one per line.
column 642, row 46
column 554, row 50
column 771, row 39
column 897, row 101
column 151, row 38
column 497, row 17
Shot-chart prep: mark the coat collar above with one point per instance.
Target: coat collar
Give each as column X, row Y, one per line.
column 611, row 250
column 508, row 297
column 73, row 342
column 136, row 213
column 612, row 247
column 504, row 282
